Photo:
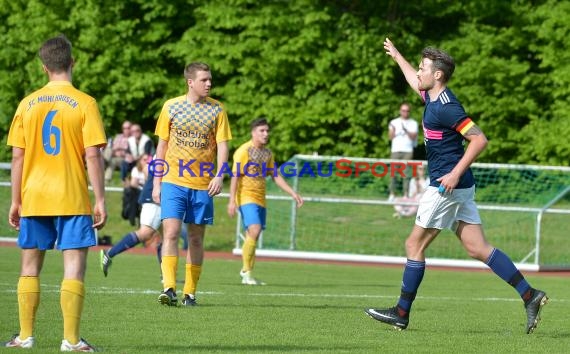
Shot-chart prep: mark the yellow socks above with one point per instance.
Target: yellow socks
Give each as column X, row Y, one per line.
column 193, row 272
column 248, row 254
column 28, row 302
column 168, row 266
column 71, row 300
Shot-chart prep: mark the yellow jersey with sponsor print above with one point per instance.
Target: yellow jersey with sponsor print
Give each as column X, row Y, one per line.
column 192, row 131
column 252, row 165
column 54, row 125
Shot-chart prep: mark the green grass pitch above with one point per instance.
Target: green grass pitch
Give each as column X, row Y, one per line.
column 305, row 308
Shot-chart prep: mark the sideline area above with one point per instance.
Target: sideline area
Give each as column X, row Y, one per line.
column 150, row 250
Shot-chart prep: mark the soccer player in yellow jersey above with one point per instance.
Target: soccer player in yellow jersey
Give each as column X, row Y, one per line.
column 253, row 162
column 56, row 131
column 193, row 129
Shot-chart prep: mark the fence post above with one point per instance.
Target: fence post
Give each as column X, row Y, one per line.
column 293, row 227
column 538, row 229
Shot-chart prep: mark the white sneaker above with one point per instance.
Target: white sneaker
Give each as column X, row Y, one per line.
column 16, row 342
column 248, row 279
column 82, row 346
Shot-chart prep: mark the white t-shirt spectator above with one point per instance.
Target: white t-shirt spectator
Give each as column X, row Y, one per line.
column 138, row 178
column 402, row 141
column 413, row 190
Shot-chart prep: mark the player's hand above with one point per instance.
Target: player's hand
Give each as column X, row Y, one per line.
column 390, row 48
column 156, row 193
column 298, row 199
column 14, row 216
column 231, row 209
column 99, row 215
column 215, row 186
column 448, row 182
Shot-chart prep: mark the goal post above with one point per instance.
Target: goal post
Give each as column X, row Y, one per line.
column 347, row 217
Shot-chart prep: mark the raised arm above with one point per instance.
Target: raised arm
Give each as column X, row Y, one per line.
column 407, row 69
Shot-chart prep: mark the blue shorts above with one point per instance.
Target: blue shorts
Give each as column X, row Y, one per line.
column 190, row 205
column 67, row 232
column 252, row 214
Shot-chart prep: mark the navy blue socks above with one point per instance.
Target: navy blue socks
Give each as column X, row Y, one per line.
column 128, row 241
column 412, row 278
column 502, row 265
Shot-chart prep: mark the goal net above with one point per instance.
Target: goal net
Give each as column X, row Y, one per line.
column 347, row 216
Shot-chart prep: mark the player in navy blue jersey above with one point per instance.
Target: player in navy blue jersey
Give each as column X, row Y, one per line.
column 149, row 228
column 449, row 200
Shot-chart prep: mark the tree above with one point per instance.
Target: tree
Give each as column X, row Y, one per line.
column 315, row 68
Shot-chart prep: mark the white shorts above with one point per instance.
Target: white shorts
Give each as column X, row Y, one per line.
column 150, row 215
column 443, row 211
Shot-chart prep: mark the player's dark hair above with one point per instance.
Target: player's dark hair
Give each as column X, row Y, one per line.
column 441, row 61
column 258, row 122
column 55, row 54
column 191, row 69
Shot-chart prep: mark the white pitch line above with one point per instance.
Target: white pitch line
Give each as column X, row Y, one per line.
column 133, row 291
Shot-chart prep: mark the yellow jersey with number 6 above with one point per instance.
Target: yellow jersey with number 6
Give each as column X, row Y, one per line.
column 54, row 125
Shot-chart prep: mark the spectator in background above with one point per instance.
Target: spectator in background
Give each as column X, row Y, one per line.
column 116, row 150
column 132, row 190
column 139, row 173
column 403, row 133
column 138, row 144
column 418, row 185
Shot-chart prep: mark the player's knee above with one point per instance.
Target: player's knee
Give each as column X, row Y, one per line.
column 254, row 231
column 171, row 236
column 196, row 241
column 413, row 247
column 145, row 234
column 480, row 253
